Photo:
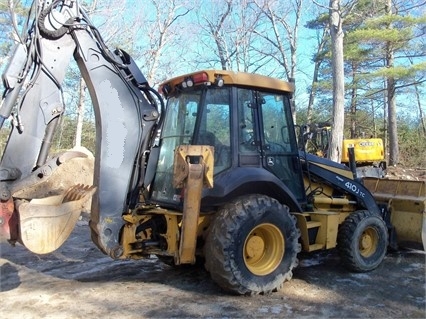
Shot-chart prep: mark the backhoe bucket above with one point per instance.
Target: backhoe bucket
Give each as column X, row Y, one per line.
column 45, row 223
column 406, row 201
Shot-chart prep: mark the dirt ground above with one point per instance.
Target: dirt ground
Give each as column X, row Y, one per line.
column 399, row 172
column 78, row 281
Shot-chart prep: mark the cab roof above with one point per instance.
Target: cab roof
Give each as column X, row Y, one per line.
column 213, row 77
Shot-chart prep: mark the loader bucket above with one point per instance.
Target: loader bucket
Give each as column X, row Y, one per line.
column 45, row 223
column 406, row 201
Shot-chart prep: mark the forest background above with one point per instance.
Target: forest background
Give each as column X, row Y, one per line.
column 384, row 55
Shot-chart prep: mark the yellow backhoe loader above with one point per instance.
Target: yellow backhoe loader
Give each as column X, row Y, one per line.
column 224, row 183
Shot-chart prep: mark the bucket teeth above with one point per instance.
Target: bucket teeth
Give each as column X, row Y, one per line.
column 77, row 192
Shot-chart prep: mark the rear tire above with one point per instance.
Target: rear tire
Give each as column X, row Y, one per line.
column 252, row 246
column 362, row 241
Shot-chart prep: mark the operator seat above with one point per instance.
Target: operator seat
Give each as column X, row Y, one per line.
column 222, row 153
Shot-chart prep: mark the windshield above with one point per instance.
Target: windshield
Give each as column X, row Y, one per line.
column 200, row 117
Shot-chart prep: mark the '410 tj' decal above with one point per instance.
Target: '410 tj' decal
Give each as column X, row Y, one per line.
column 354, row 189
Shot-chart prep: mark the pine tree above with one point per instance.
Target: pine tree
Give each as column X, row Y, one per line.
column 388, row 37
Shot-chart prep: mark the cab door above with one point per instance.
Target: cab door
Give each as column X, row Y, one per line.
column 278, row 140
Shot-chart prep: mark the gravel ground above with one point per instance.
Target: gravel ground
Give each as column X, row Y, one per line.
column 78, row 281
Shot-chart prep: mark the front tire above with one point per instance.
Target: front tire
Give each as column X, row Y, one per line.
column 252, row 246
column 362, row 241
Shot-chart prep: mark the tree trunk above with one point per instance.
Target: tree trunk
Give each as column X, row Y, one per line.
column 392, row 124
column 216, row 29
column 12, row 11
column 353, row 127
column 390, row 83
column 421, row 116
column 80, row 114
column 374, row 120
column 336, row 31
column 317, row 65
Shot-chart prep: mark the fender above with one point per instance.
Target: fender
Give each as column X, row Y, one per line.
column 248, row 180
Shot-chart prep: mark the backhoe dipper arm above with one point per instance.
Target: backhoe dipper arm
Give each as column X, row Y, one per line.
column 124, row 126
column 125, row 110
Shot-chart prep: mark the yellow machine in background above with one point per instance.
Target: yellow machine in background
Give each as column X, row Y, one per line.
column 369, row 156
column 369, row 152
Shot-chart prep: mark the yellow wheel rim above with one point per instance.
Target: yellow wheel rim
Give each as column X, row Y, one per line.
column 264, row 249
column 368, row 242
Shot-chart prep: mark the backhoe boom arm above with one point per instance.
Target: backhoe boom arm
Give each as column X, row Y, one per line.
column 125, row 109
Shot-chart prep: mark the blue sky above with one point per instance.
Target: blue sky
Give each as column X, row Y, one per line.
column 306, row 45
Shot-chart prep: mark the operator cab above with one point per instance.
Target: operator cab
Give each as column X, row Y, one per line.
column 247, row 118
